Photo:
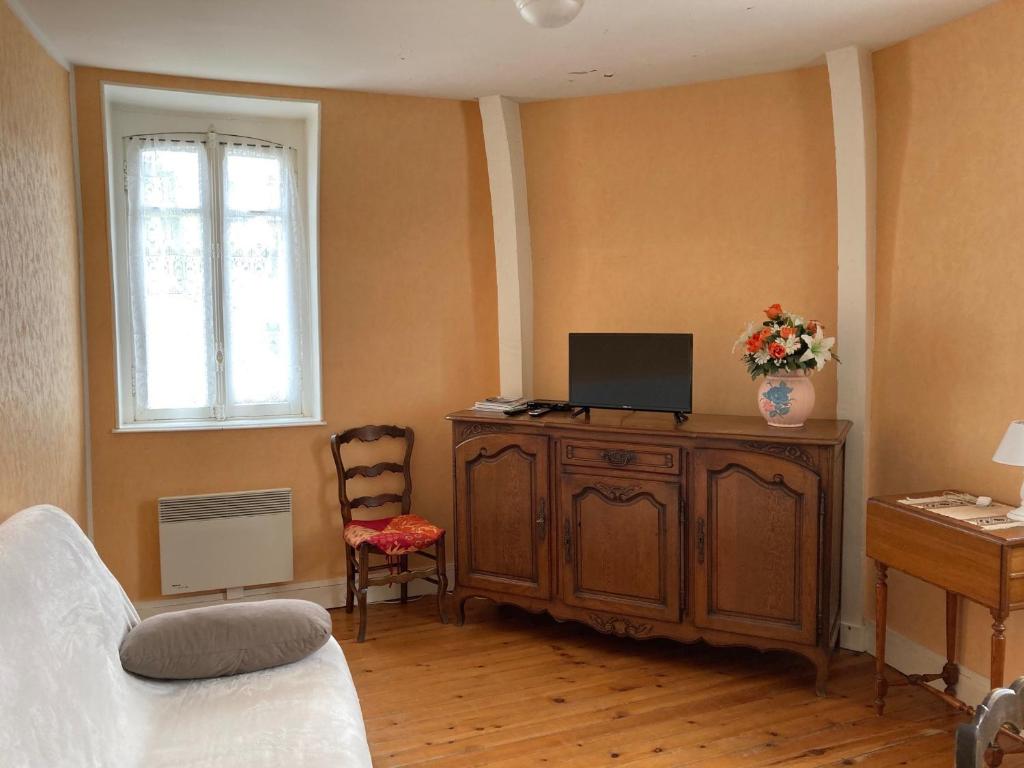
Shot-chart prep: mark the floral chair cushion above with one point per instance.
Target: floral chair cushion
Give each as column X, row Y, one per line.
column 398, row 535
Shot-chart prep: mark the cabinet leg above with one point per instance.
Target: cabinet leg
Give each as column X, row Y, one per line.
column 951, row 672
column 460, row 611
column 821, row 679
column 881, row 599
column 998, row 648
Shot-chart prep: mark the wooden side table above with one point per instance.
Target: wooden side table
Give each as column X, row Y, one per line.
column 964, row 560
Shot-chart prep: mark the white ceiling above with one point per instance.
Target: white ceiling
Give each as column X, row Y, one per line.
column 470, row 48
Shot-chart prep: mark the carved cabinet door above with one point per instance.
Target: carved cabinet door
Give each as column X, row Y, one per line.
column 502, row 514
column 755, row 543
column 619, row 545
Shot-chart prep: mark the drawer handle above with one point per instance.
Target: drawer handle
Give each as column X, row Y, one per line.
column 567, row 540
column 618, row 458
column 542, row 519
column 700, row 540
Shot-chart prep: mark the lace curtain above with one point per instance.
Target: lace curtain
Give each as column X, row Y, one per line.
column 170, row 276
column 220, row 338
column 264, row 254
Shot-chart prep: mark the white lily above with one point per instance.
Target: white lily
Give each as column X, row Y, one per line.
column 743, row 337
column 819, row 349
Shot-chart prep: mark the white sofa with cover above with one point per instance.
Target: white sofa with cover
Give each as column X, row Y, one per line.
column 65, row 700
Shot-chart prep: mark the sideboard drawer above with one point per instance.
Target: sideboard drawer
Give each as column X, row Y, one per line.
column 661, row 459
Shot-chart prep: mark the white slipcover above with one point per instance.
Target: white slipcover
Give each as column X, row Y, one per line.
column 66, row 702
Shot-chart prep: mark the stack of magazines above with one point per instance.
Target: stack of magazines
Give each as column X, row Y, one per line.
column 500, row 404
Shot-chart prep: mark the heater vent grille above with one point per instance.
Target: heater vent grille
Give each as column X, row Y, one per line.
column 178, row 509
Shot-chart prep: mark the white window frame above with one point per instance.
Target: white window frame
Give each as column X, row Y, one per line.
column 133, row 419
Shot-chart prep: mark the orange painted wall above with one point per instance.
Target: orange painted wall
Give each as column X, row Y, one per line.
column 683, row 209
column 409, row 324
column 42, row 440
column 948, row 365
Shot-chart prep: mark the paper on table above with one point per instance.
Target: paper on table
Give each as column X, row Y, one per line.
column 949, row 499
column 996, row 523
column 990, row 518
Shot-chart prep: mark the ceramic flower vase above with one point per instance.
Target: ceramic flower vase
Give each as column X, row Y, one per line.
column 786, row 398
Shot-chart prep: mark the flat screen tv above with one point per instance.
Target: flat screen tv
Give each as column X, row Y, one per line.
column 634, row 371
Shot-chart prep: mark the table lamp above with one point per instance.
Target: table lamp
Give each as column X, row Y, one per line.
column 1011, row 451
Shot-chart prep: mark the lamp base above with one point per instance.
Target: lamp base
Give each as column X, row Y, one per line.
column 1017, row 514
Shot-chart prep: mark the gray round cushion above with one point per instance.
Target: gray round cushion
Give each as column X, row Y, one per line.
column 225, row 639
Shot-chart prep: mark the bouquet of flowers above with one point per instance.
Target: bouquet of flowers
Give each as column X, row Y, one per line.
column 785, row 342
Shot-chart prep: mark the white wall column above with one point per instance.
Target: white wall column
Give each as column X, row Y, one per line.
column 506, row 169
column 853, row 118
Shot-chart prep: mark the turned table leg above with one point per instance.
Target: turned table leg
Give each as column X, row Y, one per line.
column 998, row 648
column 951, row 672
column 881, row 598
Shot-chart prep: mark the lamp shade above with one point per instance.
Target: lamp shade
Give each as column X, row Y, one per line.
column 1011, row 449
column 549, row 13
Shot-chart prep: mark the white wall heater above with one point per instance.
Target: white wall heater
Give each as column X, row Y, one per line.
column 225, row 540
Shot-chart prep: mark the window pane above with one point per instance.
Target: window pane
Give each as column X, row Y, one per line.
column 169, row 178
column 175, row 311
column 170, row 276
column 253, row 183
column 259, row 308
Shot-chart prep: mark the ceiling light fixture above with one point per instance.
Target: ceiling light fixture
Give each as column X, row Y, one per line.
column 549, row 13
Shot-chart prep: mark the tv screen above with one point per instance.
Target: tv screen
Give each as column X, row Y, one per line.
column 636, row 371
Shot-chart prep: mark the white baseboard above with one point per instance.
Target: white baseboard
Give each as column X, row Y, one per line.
column 330, row 593
column 853, row 637
column 909, row 657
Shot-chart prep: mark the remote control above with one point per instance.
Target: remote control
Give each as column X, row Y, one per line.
column 540, row 411
column 517, row 410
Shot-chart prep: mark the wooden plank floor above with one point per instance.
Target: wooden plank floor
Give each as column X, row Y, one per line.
column 513, row 689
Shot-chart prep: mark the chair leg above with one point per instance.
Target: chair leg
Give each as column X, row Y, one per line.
column 364, row 576
column 350, row 578
column 403, row 566
column 442, row 581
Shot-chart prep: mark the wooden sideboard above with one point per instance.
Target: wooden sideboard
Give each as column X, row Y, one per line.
column 720, row 529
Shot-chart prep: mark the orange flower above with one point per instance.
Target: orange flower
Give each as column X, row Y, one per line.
column 787, row 332
column 773, row 311
column 776, row 350
column 756, row 341
column 812, row 327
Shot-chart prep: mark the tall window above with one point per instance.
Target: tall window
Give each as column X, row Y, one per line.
column 220, row 313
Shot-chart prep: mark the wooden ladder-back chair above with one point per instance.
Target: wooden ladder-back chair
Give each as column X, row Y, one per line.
column 394, row 537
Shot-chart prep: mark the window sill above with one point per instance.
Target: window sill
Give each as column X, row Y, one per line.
column 216, row 426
